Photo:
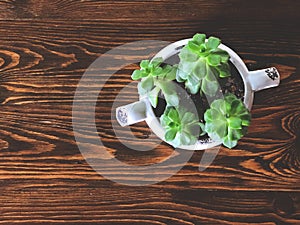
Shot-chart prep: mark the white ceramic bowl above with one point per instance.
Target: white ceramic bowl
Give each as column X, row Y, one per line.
column 253, row 81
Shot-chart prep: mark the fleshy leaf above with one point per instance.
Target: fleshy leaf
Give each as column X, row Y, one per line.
column 187, row 55
column 213, row 43
column 192, row 88
column 234, row 122
column 223, row 54
column 209, row 87
column 199, row 38
column 188, row 118
column 136, row 75
column 214, row 59
column 172, row 100
column 141, row 90
column 157, row 61
column 147, row 83
column 153, row 96
column 219, row 104
column 229, row 143
column 193, row 46
column 173, row 115
column 170, row 134
column 144, row 64
column 224, row 70
column 200, row 69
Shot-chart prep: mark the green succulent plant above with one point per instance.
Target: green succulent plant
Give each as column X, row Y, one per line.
column 182, row 127
column 156, row 79
column 227, row 120
column 201, row 62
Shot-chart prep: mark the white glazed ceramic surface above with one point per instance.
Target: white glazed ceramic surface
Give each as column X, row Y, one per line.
column 253, row 81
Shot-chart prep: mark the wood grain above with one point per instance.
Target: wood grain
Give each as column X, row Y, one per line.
column 45, row 48
column 149, row 10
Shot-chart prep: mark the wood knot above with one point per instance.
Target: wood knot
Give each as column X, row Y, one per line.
column 283, row 204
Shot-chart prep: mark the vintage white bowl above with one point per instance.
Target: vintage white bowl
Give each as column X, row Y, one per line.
column 142, row 109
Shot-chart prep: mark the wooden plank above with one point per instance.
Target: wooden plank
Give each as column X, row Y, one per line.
column 68, row 202
column 150, row 10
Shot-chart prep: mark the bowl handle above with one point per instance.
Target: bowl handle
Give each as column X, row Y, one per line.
column 263, row 79
column 132, row 113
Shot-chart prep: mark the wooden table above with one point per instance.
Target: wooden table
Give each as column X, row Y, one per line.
column 45, row 48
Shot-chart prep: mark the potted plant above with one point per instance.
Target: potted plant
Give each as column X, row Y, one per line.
column 202, row 100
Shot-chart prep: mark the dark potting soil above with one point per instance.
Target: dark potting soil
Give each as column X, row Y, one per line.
column 233, row 84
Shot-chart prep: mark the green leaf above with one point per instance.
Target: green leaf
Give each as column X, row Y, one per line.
column 192, row 128
column 170, row 134
column 214, row 60
column 156, row 62
column 157, row 72
column 208, row 115
column 193, row 79
column 237, row 106
column 199, row 69
column 193, row 46
column 186, row 69
column 213, row 135
column 211, row 73
column 165, row 120
column 219, row 104
column 188, row 56
column 234, row 134
column 241, row 109
column 211, row 115
column 228, row 106
column 229, row 143
column 188, row 117
column 144, row 64
column 220, row 128
column 229, row 97
column 212, row 43
column 173, row 115
column 141, row 90
column 185, row 138
column 209, row 87
column 246, row 119
column 235, row 122
column 192, row 88
column 144, row 73
column 176, row 142
column 172, row 100
column 199, row 38
column 179, row 75
column 223, row 54
column 171, row 75
column 136, row 75
column 224, row 70
column 147, row 83
column 153, row 96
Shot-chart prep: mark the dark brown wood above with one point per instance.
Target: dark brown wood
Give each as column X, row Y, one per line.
column 46, row 46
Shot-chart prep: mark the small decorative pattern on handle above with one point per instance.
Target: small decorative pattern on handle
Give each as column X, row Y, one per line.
column 264, row 78
column 132, row 113
column 272, row 73
column 122, row 115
